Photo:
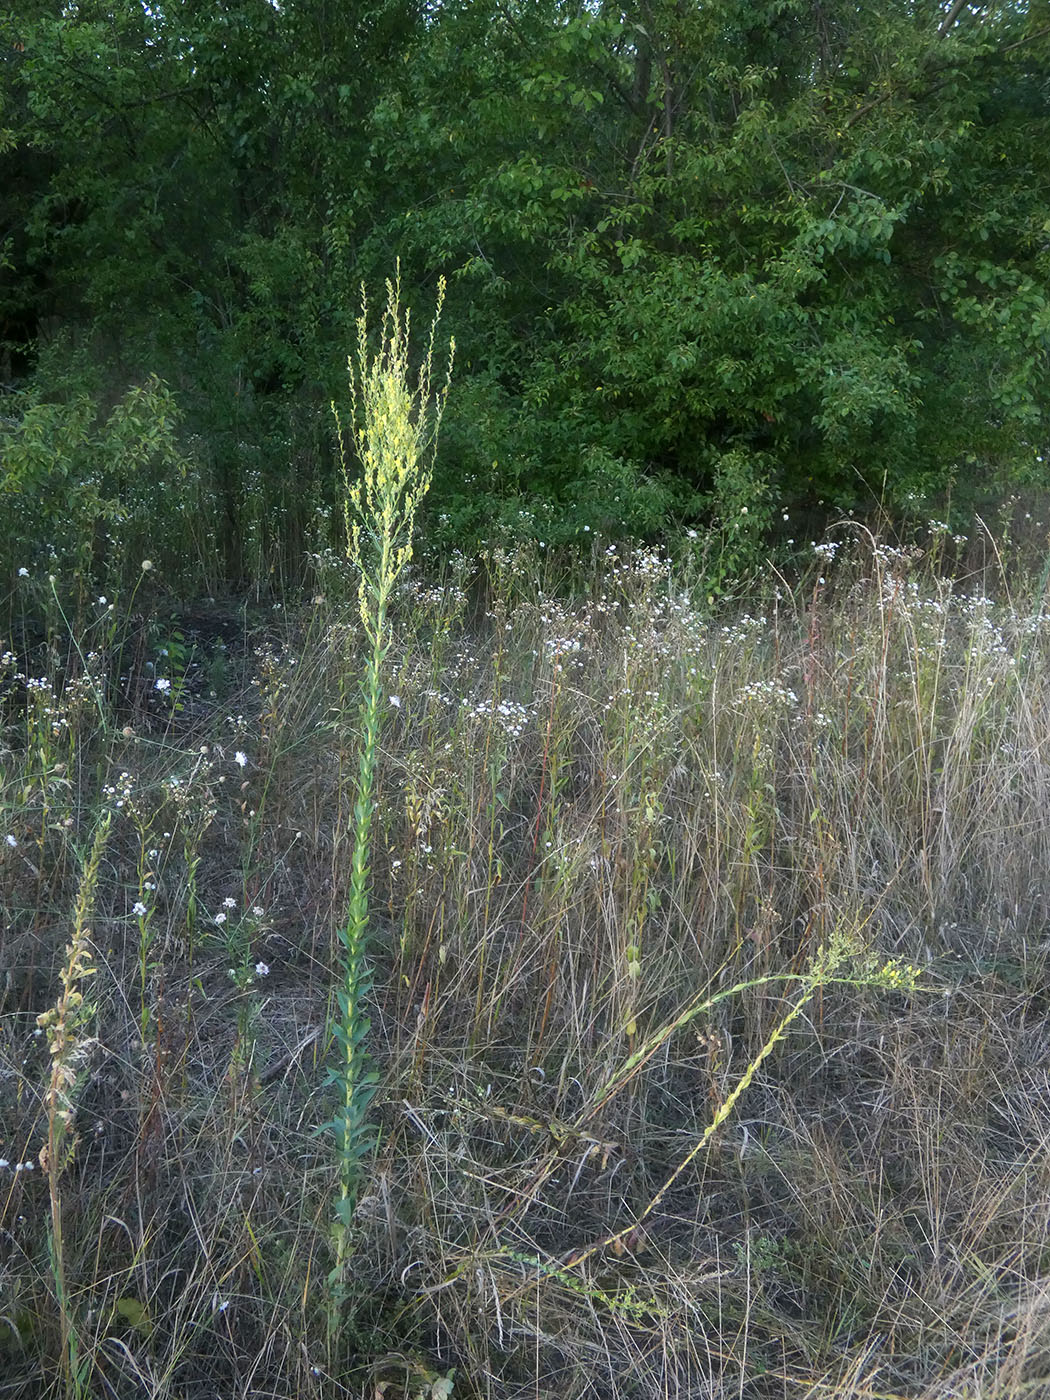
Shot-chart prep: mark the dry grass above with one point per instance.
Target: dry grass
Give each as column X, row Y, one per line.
column 590, row 816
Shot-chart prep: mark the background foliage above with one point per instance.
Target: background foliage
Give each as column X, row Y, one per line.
column 790, row 252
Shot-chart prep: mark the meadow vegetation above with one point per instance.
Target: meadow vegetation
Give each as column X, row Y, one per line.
column 630, row 852
column 559, row 912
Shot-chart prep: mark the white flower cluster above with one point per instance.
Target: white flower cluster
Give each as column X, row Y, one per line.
column 511, row 716
column 767, row 693
column 648, row 564
column 745, row 629
column 562, row 646
column 119, row 791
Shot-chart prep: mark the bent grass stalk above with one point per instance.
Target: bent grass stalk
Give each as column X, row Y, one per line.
column 393, row 430
column 823, row 971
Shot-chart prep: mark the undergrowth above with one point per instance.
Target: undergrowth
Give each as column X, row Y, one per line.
column 636, row 1134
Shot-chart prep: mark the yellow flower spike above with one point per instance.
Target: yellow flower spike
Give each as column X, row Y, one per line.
column 393, row 430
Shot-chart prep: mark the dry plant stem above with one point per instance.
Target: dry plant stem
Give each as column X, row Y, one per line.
column 63, row 1023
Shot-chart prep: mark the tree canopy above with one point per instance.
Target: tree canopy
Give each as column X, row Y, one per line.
column 701, row 256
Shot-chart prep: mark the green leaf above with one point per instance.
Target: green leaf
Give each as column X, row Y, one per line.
column 135, row 1314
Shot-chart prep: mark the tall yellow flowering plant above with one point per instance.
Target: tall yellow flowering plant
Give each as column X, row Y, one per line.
column 393, row 431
